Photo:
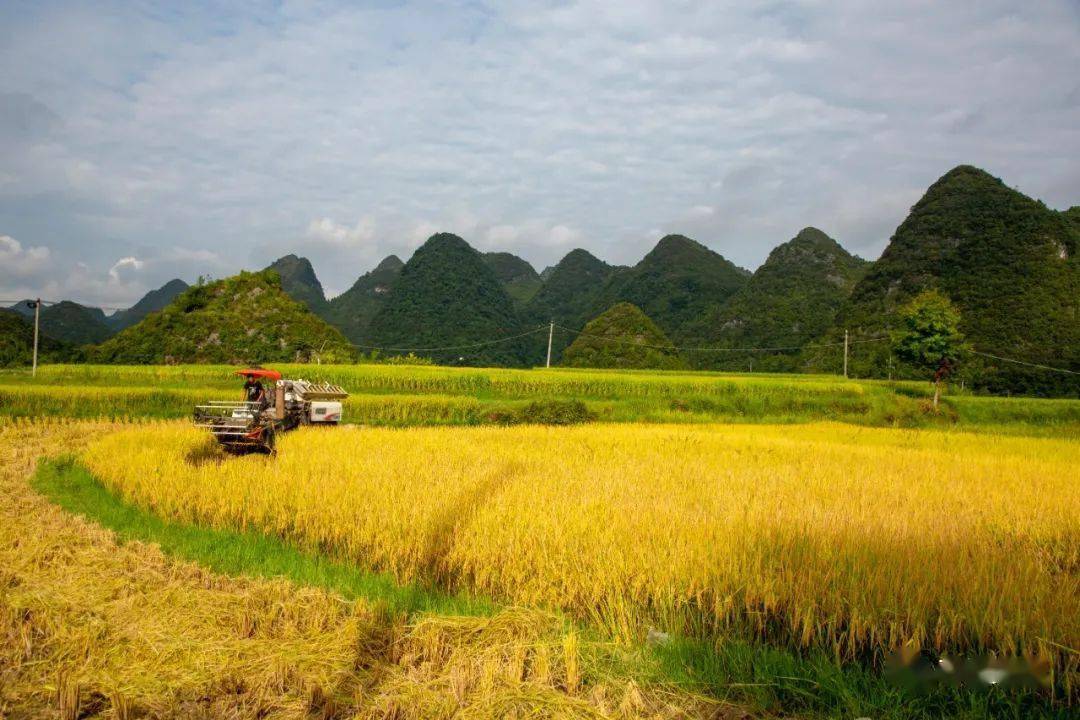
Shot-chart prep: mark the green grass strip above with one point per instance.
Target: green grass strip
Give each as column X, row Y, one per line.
column 763, row 678
column 66, row 483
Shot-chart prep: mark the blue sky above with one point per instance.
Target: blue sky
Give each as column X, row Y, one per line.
column 142, row 142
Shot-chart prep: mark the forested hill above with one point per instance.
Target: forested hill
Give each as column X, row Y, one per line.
column 622, row 337
column 1072, row 216
column 569, row 295
column 517, row 276
column 72, row 323
column 247, row 318
column 677, row 283
column 17, row 343
column 353, row 310
column 792, row 298
column 299, row 281
column 1008, row 262
column 447, row 297
column 150, row 302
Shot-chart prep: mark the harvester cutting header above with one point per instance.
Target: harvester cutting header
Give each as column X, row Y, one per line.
column 252, row 424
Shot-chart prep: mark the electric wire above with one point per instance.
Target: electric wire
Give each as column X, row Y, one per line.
column 1023, row 362
column 452, row 347
column 718, row 349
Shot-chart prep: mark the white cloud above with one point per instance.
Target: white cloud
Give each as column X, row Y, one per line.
column 502, row 235
column 116, row 287
column 206, row 257
column 125, row 269
column 563, row 236
column 526, row 126
column 17, row 262
column 420, row 232
column 36, row 271
column 325, row 230
column 781, row 49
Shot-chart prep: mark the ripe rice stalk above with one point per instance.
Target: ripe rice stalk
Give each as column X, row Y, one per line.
column 853, row 540
column 89, row 626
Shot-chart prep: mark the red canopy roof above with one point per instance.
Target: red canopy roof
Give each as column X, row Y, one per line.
column 260, row 373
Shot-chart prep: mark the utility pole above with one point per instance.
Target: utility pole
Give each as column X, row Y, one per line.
column 551, row 332
column 37, row 322
column 845, row 352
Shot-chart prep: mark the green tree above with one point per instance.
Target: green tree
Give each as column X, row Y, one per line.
column 929, row 336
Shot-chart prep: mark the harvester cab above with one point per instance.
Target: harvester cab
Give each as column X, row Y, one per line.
column 252, row 424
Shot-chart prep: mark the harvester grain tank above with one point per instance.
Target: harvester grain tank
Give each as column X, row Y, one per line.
column 253, row 425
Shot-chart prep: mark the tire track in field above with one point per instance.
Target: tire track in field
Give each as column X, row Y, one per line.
column 455, row 516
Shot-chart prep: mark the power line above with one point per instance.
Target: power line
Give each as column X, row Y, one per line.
column 717, row 349
column 1023, row 362
column 788, row 348
column 799, row 347
column 452, row 347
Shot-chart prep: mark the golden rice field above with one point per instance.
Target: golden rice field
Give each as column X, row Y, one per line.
column 823, row 535
column 90, row 627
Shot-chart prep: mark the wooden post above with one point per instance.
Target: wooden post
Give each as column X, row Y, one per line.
column 845, row 352
column 37, row 323
column 551, row 332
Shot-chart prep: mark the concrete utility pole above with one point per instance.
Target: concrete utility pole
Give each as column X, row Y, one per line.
column 37, row 321
column 551, row 332
column 845, row 352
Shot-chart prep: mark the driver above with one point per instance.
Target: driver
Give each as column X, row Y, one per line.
column 254, row 392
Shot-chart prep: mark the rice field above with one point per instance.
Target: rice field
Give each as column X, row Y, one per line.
column 786, row 534
column 412, row 379
column 858, row 541
column 404, row 396
column 92, row 627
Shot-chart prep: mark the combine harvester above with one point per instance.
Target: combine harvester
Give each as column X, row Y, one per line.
column 243, row 427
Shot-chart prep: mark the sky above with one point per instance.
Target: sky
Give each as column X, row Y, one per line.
column 145, row 141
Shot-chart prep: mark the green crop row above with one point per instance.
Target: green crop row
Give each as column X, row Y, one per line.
column 420, row 395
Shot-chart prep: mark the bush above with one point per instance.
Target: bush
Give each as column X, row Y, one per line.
column 555, row 412
column 410, row 359
column 541, row 412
